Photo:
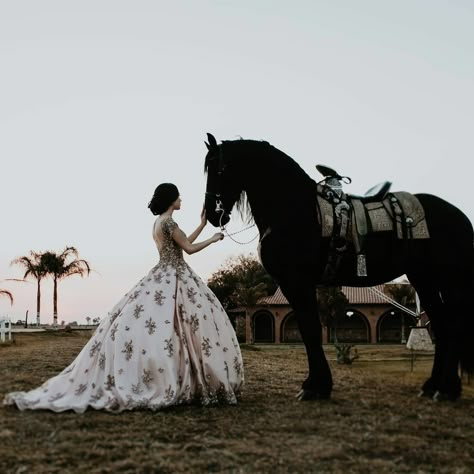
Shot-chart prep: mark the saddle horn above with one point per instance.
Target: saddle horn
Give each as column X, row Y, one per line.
column 328, row 172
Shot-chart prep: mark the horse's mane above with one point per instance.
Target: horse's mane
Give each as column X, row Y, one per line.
column 276, row 165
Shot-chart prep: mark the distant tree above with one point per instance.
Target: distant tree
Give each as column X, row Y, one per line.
column 332, row 304
column 34, row 268
column 402, row 293
column 249, row 294
column 88, row 319
column 96, row 320
column 7, row 294
column 241, row 281
column 60, row 266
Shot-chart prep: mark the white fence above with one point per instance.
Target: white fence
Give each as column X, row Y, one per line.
column 5, row 328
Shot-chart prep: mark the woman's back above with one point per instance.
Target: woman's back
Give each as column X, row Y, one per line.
column 170, row 252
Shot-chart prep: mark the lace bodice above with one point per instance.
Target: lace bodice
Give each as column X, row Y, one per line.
column 170, row 253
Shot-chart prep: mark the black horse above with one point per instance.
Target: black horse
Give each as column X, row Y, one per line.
column 267, row 185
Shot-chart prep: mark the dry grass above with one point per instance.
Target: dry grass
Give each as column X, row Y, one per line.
column 373, row 424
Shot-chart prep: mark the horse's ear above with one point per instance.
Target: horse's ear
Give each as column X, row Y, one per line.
column 207, row 145
column 212, row 141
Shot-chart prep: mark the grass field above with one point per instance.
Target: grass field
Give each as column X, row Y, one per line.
column 374, row 422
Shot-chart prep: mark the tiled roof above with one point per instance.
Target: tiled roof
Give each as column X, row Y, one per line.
column 363, row 295
column 276, row 298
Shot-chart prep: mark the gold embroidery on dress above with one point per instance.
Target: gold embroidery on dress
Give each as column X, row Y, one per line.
column 171, row 254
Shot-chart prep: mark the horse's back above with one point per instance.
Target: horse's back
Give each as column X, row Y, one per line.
column 442, row 216
column 451, row 238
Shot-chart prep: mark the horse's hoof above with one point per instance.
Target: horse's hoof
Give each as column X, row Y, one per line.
column 305, row 395
column 426, row 393
column 444, row 397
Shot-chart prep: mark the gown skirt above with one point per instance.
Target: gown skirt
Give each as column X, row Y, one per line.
column 167, row 342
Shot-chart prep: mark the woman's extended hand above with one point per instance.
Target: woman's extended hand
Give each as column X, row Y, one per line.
column 218, row 236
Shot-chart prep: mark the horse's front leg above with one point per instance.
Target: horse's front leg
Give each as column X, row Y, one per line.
column 302, row 298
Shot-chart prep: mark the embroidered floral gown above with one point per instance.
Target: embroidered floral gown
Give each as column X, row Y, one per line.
column 167, row 342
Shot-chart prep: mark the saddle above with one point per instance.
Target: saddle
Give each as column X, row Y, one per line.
column 348, row 219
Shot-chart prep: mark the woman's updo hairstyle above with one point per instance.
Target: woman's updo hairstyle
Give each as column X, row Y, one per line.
column 165, row 195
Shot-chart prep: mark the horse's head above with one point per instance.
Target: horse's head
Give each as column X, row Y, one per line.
column 222, row 190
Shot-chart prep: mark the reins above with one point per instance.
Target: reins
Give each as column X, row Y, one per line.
column 220, row 209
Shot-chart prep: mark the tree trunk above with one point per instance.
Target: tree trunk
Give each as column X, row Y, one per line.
column 38, row 302
column 55, row 303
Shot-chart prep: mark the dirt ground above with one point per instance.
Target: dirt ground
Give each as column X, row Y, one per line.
column 374, row 422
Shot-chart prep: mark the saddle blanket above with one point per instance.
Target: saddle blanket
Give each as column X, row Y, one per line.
column 381, row 216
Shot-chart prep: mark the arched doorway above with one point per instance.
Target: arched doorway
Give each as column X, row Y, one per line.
column 263, row 327
column 289, row 329
column 394, row 327
column 353, row 326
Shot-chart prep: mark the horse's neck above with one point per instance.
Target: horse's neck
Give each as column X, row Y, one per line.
column 263, row 212
column 273, row 207
column 279, row 192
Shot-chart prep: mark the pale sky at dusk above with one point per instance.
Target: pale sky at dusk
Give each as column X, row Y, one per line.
column 100, row 101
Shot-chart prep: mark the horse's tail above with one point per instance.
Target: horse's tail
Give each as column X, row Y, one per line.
column 467, row 349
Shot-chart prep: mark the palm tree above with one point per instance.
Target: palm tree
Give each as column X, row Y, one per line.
column 7, row 294
column 33, row 268
column 60, row 266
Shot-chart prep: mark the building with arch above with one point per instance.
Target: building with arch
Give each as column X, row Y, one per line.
column 368, row 319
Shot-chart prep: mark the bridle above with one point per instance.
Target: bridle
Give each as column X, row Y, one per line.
column 217, row 195
column 219, row 205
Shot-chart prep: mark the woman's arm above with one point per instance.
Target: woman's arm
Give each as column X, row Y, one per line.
column 200, row 227
column 180, row 238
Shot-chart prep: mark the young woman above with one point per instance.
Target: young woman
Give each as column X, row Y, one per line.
column 168, row 341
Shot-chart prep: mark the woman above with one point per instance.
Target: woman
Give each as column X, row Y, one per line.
column 167, row 342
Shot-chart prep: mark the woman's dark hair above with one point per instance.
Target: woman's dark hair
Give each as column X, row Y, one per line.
column 165, row 195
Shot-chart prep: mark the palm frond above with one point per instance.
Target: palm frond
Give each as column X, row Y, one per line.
column 76, row 267
column 32, row 265
column 65, row 264
column 68, row 252
column 7, row 294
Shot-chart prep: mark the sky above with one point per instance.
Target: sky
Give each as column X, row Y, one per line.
column 100, row 101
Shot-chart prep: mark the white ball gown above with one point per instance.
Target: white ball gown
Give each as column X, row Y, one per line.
column 167, row 342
